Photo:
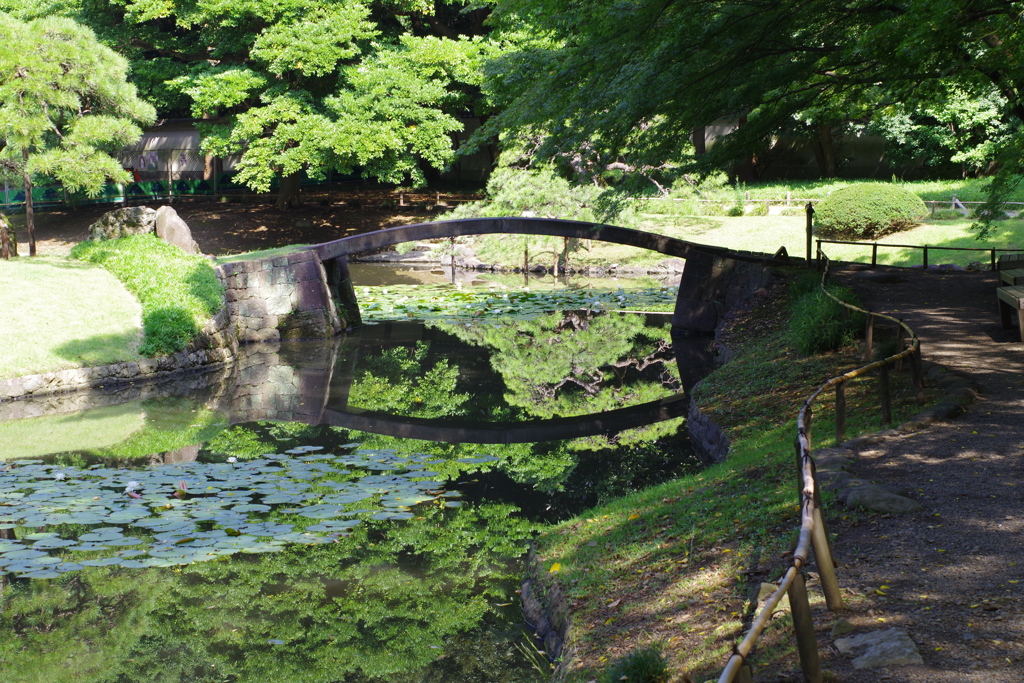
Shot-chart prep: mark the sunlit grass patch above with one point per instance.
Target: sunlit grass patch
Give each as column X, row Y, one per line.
column 63, row 315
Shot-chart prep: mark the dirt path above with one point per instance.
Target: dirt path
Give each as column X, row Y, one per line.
column 232, row 228
column 954, row 573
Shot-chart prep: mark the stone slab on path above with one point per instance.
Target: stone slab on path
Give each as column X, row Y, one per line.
column 892, row 647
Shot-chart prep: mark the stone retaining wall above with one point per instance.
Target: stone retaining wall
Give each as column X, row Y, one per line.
column 711, row 286
column 280, row 297
column 710, row 443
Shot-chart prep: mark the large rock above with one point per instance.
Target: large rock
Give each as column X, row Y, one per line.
column 880, row 648
column 130, row 220
column 880, row 499
column 172, row 229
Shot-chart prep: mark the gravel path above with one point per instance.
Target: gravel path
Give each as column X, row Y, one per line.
column 954, row 573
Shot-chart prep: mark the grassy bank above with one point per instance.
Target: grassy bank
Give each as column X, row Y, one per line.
column 178, row 292
column 115, row 301
column 672, row 566
column 63, row 314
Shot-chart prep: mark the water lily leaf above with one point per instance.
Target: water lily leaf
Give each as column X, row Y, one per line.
column 101, row 562
column 40, row 574
column 320, row 511
column 251, row 507
column 345, row 498
column 406, row 501
column 53, row 543
column 100, row 537
column 392, row 515
column 87, row 547
column 135, row 564
column 334, row 525
column 124, row 540
column 32, row 564
column 263, row 548
column 12, row 555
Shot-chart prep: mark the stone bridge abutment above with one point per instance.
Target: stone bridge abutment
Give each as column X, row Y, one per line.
column 308, row 294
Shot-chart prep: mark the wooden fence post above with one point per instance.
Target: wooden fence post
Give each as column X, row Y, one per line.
column 822, row 544
column 869, row 337
column 810, row 226
column 826, row 563
column 883, row 393
column 918, row 374
column 874, row 255
column 803, row 626
column 900, row 343
column 840, row 412
column 924, row 258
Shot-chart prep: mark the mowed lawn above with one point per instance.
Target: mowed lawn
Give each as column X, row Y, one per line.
column 767, row 233
column 63, row 314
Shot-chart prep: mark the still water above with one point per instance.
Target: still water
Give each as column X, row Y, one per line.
column 349, row 510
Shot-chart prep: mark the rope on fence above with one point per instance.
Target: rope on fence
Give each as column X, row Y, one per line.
column 813, row 531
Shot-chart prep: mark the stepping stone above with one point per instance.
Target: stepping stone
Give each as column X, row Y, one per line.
column 880, row 648
column 875, row 498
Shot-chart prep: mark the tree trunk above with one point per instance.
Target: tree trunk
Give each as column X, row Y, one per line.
column 209, row 161
column 825, row 152
column 5, row 240
column 699, row 137
column 30, row 221
column 288, row 195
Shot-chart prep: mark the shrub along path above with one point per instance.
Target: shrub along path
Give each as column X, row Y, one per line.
column 953, row 574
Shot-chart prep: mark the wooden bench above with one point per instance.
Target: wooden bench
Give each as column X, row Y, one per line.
column 1013, row 276
column 1011, row 299
column 1010, row 262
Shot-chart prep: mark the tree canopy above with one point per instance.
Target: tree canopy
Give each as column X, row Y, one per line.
column 295, row 86
column 65, row 106
column 617, row 81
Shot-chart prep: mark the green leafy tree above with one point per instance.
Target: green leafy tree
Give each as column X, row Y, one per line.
column 307, row 87
column 958, row 133
column 65, row 106
column 636, row 79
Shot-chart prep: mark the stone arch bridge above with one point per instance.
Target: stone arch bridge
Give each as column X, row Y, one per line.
column 308, row 293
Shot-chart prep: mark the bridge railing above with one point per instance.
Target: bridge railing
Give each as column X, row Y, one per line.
column 813, row 531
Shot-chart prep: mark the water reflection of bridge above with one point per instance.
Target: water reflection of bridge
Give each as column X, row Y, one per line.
column 311, row 383
column 306, row 382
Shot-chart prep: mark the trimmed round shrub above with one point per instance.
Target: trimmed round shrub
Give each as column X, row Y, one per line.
column 867, row 211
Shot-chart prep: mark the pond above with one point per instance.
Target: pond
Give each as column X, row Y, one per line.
column 349, row 510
